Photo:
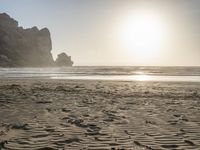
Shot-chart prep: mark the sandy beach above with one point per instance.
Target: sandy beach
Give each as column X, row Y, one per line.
column 81, row 115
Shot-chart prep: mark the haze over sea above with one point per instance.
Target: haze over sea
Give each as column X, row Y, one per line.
column 139, row 73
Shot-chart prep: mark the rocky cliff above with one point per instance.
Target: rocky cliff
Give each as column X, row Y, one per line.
column 63, row 60
column 24, row 47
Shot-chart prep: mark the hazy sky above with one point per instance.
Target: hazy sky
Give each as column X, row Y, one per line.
column 91, row 30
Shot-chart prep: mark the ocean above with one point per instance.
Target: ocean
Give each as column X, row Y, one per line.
column 173, row 74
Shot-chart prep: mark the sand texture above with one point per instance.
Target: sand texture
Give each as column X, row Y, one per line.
column 98, row 115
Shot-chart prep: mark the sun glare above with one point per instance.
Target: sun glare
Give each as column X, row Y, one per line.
column 142, row 78
column 142, row 35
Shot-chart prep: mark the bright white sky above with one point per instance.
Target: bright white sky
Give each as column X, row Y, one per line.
column 116, row 32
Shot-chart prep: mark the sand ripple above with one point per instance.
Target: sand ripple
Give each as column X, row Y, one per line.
column 55, row 115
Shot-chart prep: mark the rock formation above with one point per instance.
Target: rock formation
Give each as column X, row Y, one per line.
column 63, row 60
column 21, row 47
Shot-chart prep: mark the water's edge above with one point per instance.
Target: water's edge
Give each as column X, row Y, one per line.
column 182, row 74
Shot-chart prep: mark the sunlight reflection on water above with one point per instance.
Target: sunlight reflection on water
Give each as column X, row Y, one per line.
column 168, row 74
column 142, row 78
column 134, row 78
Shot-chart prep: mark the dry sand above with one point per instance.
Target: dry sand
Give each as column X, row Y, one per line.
column 67, row 115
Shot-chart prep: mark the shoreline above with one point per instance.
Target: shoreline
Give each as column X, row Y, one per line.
column 26, row 79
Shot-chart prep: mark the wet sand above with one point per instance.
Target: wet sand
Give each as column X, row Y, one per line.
column 98, row 115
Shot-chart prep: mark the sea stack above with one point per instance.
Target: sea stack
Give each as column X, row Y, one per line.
column 63, row 60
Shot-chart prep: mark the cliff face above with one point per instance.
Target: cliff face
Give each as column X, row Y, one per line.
column 24, row 47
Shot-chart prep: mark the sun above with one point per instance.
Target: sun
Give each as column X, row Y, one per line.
column 143, row 35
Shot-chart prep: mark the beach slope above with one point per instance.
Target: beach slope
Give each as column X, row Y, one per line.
column 66, row 114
